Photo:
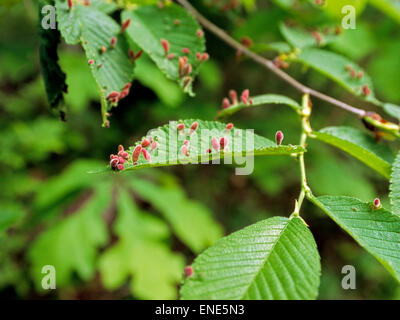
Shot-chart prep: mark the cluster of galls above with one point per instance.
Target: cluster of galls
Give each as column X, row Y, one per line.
column 366, row 91
column 115, row 96
column 117, row 161
column 142, row 148
column 184, row 67
column 244, row 97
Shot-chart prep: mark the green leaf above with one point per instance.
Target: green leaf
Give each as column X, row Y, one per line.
column 10, row 213
column 170, row 143
column 260, row 100
column 395, row 186
column 333, row 66
column 150, row 24
column 389, row 7
column 71, row 246
column 377, row 231
column 273, row 259
column 192, row 222
column 94, row 29
column 360, row 145
column 141, row 253
column 300, row 38
column 54, row 77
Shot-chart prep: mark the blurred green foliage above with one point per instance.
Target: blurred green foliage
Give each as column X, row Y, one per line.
column 129, row 236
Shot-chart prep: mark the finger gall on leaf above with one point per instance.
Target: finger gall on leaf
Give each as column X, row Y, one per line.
column 225, row 103
column 377, row 203
column 146, row 155
column 233, row 96
column 215, row 143
column 185, row 150
column 279, row 138
column 125, row 25
column 145, row 143
column 223, row 142
column 113, row 42
column 188, row 271
column 136, row 154
column 366, row 91
column 194, row 126
column 165, row 45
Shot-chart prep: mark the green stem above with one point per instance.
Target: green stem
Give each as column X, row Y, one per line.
column 305, row 129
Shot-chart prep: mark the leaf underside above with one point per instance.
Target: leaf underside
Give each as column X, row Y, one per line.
column 360, row 145
column 94, row 29
column 273, row 259
column 170, row 143
column 377, row 231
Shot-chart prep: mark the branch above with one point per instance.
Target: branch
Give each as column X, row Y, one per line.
column 267, row 63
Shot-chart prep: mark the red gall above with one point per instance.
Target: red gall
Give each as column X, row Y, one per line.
column 90, row 62
column 229, row 126
column 209, row 150
column 186, row 142
column 86, row 3
column 215, row 143
column 245, row 96
column 199, row 33
column 188, row 271
column 113, row 42
column 113, row 163
column 146, row 155
column 125, row 25
column 136, row 154
column 121, row 160
column 233, row 96
column 225, row 103
column 353, row 73
column 139, row 54
column 279, row 138
column 160, row 4
column 194, row 126
column 113, row 95
column 185, row 50
column 223, row 142
column 198, row 56
column 70, row 4
column 247, row 42
column 120, row 148
column 366, row 90
column 123, row 94
column 170, row 56
column 103, row 49
column 317, row 36
column 154, row 145
column 205, row 56
column 377, row 203
column 165, row 45
column 185, row 150
column 360, row 75
column 177, row 22
column 145, row 143
column 251, row 101
column 120, row 167
column 188, row 69
column 127, row 85
column 180, row 126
